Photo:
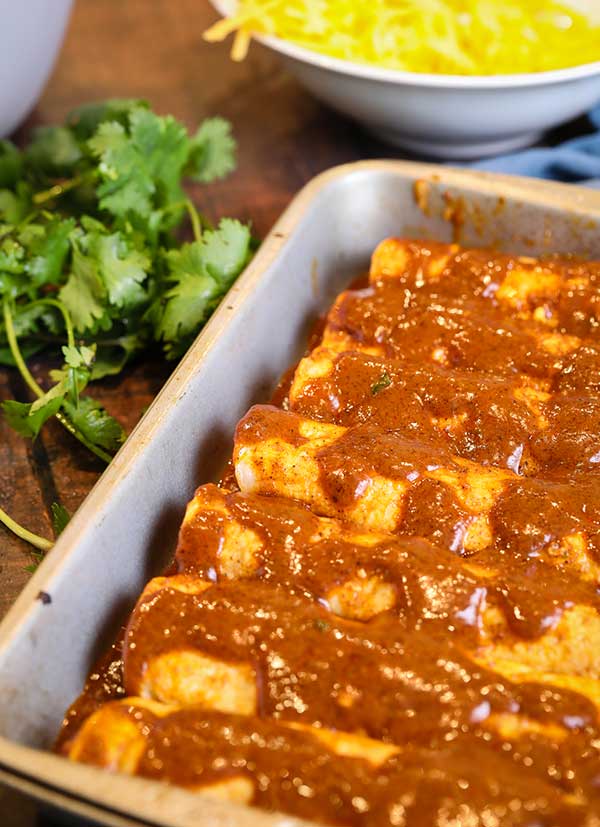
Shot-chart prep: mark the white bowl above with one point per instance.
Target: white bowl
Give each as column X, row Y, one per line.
column 31, row 34
column 444, row 116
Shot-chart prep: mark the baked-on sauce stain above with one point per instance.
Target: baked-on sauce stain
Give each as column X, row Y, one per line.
column 480, row 742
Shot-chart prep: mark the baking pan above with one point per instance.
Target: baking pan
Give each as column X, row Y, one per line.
column 125, row 531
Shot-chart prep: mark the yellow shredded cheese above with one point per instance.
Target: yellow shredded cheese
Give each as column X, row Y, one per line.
column 458, row 37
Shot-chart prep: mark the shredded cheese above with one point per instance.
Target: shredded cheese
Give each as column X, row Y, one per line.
column 459, row 37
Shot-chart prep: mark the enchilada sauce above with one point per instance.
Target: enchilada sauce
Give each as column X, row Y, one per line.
column 293, row 771
column 411, row 684
column 479, row 743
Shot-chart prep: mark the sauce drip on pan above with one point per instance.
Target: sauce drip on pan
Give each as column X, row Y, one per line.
column 419, row 673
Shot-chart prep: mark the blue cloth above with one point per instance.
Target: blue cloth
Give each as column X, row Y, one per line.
column 574, row 161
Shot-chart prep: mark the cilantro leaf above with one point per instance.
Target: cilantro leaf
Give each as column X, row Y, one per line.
column 88, row 253
column 31, row 317
column 15, row 204
column 111, row 358
column 48, row 252
column 191, row 298
column 53, row 151
column 11, row 164
column 140, row 168
column 10, row 207
column 212, row 151
column 86, row 119
column 188, row 306
column 84, row 293
column 381, row 384
column 11, row 256
column 121, row 268
column 79, row 357
column 95, row 423
column 57, row 391
column 125, row 185
column 202, row 272
column 60, row 518
column 226, row 250
column 27, row 422
column 163, row 144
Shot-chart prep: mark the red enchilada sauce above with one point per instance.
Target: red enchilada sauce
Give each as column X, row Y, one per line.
column 474, row 747
column 294, row 772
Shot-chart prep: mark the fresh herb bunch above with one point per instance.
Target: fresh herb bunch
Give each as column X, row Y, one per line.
column 89, row 260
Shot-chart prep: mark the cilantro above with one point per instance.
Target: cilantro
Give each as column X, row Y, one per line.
column 140, row 169
column 11, row 209
column 163, row 143
column 200, row 273
column 38, row 556
column 26, row 422
column 383, row 382
column 11, row 164
column 226, row 250
column 212, row 151
column 60, row 518
column 121, row 268
column 84, row 293
column 15, row 204
column 85, row 120
column 321, row 625
column 79, row 357
column 111, row 357
column 55, row 395
column 187, row 306
column 89, row 259
column 48, row 251
column 91, row 420
column 54, row 150
column 125, row 184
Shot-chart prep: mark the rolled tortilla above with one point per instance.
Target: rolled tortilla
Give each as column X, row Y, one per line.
column 532, row 614
column 253, row 648
column 379, row 480
column 333, row 777
column 558, row 293
column 464, row 333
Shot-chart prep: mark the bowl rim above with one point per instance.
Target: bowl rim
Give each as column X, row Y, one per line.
column 367, row 71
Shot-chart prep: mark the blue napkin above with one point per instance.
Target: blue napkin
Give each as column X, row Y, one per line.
column 574, row 161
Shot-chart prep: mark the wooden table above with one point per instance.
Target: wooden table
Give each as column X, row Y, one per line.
column 137, row 48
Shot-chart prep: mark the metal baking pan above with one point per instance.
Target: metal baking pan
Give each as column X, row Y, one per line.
column 125, row 531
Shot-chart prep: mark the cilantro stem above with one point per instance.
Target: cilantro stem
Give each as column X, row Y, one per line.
column 16, row 353
column 68, row 425
column 65, row 314
column 198, row 219
column 35, row 388
column 58, row 189
column 23, row 533
column 195, row 219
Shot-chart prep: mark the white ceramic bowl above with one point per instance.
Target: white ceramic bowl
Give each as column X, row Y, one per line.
column 444, row 116
column 31, row 34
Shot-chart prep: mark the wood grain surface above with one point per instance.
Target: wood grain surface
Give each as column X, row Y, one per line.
column 153, row 49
